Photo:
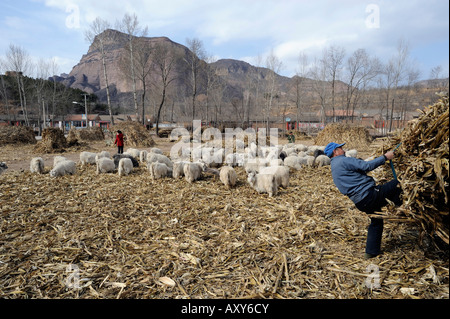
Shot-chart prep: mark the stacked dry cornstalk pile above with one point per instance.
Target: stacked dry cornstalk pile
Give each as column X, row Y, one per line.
column 135, row 134
column 85, row 135
column 16, row 135
column 422, row 166
column 301, row 135
column 356, row 137
column 53, row 140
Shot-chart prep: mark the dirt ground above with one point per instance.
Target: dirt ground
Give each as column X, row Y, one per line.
column 134, row 237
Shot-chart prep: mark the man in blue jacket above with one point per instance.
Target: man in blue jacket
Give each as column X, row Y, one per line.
column 349, row 176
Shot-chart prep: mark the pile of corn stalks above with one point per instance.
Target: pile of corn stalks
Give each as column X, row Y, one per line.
column 94, row 133
column 135, row 134
column 422, row 165
column 16, row 135
column 355, row 137
column 53, row 140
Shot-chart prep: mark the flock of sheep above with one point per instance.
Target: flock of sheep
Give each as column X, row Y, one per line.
column 267, row 167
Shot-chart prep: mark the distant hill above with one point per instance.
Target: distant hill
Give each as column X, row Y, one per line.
column 236, row 78
column 87, row 75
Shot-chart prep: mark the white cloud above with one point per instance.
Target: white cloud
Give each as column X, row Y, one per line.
column 252, row 28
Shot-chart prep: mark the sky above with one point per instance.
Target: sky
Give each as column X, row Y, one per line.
column 247, row 30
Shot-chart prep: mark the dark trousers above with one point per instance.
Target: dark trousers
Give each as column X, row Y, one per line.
column 373, row 202
column 120, row 149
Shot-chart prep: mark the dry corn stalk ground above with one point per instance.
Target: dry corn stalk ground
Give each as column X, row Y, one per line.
column 101, row 236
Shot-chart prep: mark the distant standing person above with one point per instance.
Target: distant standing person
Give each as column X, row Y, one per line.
column 291, row 138
column 119, row 142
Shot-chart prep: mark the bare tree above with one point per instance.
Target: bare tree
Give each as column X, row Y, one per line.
column 4, row 91
column 215, row 95
column 211, row 81
column 247, row 97
column 334, row 59
column 42, row 74
column 435, row 72
column 274, row 65
column 395, row 72
column 299, row 79
column 18, row 60
column 130, row 26
column 360, row 70
column 193, row 59
column 251, row 90
column 238, row 109
column 164, row 60
column 97, row 36
column 143, row 65
column 412, row 76
column 435, row 77
column 54, row 69
column 320, row 85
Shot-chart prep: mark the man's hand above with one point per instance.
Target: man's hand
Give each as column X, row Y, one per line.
column 389, row 155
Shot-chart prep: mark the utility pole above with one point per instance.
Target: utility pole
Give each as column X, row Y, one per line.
column 43, row 114
column 85, row 109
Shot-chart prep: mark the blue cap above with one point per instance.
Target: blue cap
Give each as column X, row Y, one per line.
column 331, row 147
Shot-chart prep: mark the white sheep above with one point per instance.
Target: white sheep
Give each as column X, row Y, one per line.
column 143, row 156
column 213, row 157
column 177, row 169
column 58, row 159
column 300, row 148
column 290, row 151
column 313, row 149
column 281, row 174
column 251, row 150
column 125, row 166
column 235, row 159
column 155, row 150
column 87, row 158
column 158, row 170
column 63, row 167
column 37, row 165
column 152, row 157
column 351, row 153
column 103, row 154
column 255, row 164
column 310, row 160
column 228, row 176
column 264, row 151
column 294, row 162
column 105, row 165
column 193, row 171
column 276, row 162
column 273, row 154
column 322, row 160
column 133, row 152
column 263, row 183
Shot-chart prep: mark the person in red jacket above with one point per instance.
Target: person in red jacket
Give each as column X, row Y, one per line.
column 119, row 142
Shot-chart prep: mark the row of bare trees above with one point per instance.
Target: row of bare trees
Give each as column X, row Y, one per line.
column 24, row 84
column 364, row 82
